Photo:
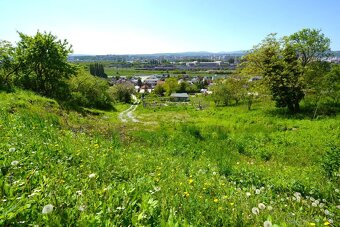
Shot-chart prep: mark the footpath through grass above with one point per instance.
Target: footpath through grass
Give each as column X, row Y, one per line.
column 178, row 166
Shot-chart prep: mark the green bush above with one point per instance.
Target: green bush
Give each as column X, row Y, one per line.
column 89, row 91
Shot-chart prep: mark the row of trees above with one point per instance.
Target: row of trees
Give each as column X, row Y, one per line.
column 292, row 68
column 39, row 63
column 97, row 69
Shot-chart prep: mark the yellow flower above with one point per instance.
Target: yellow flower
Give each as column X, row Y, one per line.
column 326, row 223
column 216, row 200
column 186, row 194
column 232, row 204
column 220, row 208
column 190, row 181
column 312, row 224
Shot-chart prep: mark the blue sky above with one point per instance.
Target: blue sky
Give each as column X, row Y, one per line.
column 158, row 26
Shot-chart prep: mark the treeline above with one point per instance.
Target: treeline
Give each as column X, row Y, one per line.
column 288, row 69
column 39, row 63
column 97, row 70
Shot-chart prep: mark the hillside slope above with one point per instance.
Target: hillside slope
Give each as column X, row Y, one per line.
column 219, row 166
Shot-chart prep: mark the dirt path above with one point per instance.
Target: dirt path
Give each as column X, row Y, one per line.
column 127, row 115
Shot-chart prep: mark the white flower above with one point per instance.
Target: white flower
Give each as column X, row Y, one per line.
column 261, row 206
column 327, row 212
column 81, row 208
column 14, row 163
column 330, row 221
column 317, row 202
column 92, row 175
column 297, row 194
column 269, row 207
column 47, row 209
column 12, row 149
column 267, row 224
column 321, row 205
column 338, row 206
column 255, row 210
column 79, row 192
column 337, row 190
column 257, row 191
column 248, row 194
column 314, row 204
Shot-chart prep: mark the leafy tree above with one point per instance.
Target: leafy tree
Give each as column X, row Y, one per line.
column 43, row 64
column 170, row 85
column 122, row 92
column 159, row 90
column 283, row 64
column 97, row 69
column 7, row 67
column 89, row 91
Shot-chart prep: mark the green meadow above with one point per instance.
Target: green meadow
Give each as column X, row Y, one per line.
column 178, row 166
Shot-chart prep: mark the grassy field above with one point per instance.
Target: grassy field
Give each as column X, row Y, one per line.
column 178, row 166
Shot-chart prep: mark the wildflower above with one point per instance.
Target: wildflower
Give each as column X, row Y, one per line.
column 186, row 194
column 248, row 194
column 92, row 175
column 79, row 192
column 314, row 204
column 326, row 223
column 317, row 202
column 267, row 224
column 269, row 208
column 120, row 208
column 255, row 210
column 81, row 208
column 12, row 149
column 327, row 212
column 337, row 190
column 157, row 189
column 190, row 181
column 330, row 221
column 338, row 206
column 257, row 191
column 311, row 224
column 232, row 204
column 297, row 194
column 14, row 163
column 215, row 200
column 321, row 205
column 262, row 206
column 47, row 209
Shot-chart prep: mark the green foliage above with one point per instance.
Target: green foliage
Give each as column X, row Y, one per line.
column 89, row 91
column 97, row 69
column 331, row 162
column 170, row 85
column 122, row 92
column 283, row 63
column 230, row 89
column 159, row 90
column 43, row 64
column 180, row 167
column 6, row 65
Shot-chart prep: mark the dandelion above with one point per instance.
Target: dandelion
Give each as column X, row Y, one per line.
column 257, row 191
column 81, row 208
column 92, row 175
column 215, row 200
column 12, row 149
column 262, row 206
column 327, row 212
column 47, row 209
column 255, row 210
column 267, row 224
column 248, row 194
column 190, row 181
column 14, row 163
